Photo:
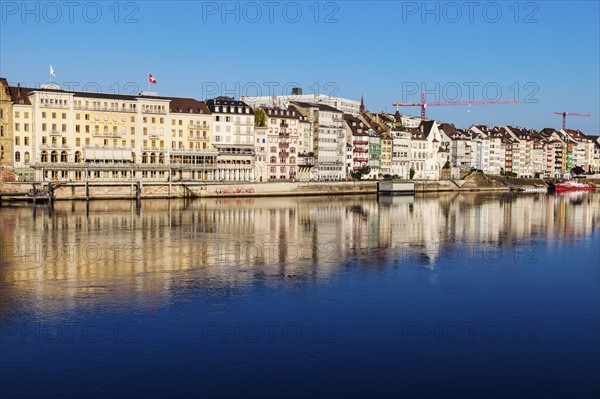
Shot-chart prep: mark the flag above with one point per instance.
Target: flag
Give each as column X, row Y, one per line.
column 52, row 71
column 151, row 79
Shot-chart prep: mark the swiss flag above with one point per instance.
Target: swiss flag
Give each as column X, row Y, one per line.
column 151, row 79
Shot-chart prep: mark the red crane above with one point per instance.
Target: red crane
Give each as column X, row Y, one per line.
column 564, row 115
column 423, row 104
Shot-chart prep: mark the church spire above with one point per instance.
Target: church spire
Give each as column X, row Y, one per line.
column 362, row 104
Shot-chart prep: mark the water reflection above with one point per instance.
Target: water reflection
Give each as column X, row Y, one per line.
column 80, row 254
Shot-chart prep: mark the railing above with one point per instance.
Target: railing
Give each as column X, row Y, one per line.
column 54, row 146
column 106, row 109
column 55, row 132
column 154, row 111
column 150, row 148
column 193, row 151
column 58, row 106
column 107, row 134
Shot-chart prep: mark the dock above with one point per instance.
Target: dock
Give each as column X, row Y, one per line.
column 396, row 188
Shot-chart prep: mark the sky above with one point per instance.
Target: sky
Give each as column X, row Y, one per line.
column 546, row 54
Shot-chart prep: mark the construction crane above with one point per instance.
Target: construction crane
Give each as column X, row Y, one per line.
column 564, row 115
column 424, row 104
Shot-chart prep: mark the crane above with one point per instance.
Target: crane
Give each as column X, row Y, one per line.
column 423, row 104
column 564, row 115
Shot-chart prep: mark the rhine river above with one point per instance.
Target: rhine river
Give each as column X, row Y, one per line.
column 474, row 295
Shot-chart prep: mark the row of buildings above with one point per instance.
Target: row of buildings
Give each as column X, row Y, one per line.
column 52, row 134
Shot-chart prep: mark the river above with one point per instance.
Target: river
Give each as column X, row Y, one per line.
column 454, row 295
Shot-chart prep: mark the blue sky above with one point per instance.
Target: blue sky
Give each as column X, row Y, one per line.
column 545, row 54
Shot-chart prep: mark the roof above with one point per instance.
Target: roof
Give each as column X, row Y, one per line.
column 320, row 107
column 233, row 106
column 20, row 95
column 290, row 113
column 356, row 126
column 188, row 105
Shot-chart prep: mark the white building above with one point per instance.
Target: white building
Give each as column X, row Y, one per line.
column 345, row 105
column 329, row 140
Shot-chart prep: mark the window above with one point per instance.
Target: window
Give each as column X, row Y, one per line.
column 17, row 127
column 64, row 115
column 26, row 157
column 26, row 141
column 17, row 156
column 54, row 115
column 78, row 142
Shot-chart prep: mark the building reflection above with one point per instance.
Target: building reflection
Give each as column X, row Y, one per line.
column 83, row 254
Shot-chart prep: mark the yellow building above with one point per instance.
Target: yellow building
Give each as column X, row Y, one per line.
column 79, row 136
column 6, row 124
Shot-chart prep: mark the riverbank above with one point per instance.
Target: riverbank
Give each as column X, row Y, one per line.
column 135, row 190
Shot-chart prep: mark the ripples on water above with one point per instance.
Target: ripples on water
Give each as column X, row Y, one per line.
column 461, row 295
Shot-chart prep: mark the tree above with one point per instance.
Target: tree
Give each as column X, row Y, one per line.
column 260, row 118
column 412, row 173
column 577, row 170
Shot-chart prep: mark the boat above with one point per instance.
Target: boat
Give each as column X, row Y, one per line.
column 538, row 188
column 573, row 185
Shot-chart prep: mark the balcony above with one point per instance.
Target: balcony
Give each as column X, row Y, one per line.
column 198, row 126
column 150, row 148
column 107, row 134
column 156, row 135
column 284, row 144
column 306, row 161
column 284, row 154
column 105, row 109
column 58, row 106
column 361, row 150
column 154, row 111
column 55, row 146
column 360, row 142
column 55, row 132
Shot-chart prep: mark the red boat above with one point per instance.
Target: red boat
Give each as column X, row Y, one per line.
column 573, row 185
